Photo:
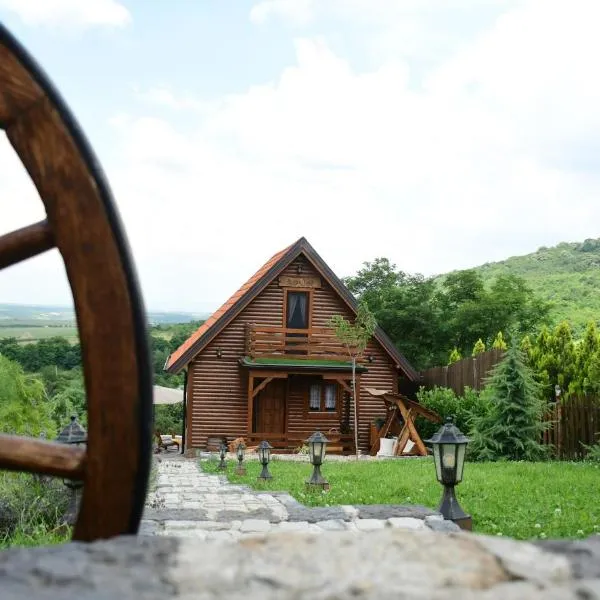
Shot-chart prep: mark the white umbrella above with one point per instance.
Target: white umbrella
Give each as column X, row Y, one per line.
column 165, row 395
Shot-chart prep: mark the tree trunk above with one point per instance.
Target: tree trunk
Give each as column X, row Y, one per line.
column 355, row 405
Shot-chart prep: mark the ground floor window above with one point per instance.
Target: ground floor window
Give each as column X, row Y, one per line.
column 323, row 397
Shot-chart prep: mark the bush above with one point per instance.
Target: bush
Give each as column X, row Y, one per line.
column 168, row 418
column 447, row 404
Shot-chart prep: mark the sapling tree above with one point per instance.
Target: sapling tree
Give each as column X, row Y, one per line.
column 355, row 337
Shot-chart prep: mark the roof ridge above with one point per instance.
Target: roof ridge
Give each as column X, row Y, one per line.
column 186, row 352
column 224, row 308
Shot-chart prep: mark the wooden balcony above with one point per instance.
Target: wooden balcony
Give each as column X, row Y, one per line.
column 267, row 341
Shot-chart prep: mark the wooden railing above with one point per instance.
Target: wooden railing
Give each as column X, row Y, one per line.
column 267, row 341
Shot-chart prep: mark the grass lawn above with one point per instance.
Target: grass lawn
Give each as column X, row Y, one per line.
column 521, row 500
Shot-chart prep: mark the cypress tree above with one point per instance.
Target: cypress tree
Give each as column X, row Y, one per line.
column 478, row 348
column 513, row 426
column 454, row 356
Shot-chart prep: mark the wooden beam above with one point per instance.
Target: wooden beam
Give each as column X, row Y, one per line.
column 341, row 379
column 25, row 243
column 39, row 456
column 250, row 401
column 261, row 386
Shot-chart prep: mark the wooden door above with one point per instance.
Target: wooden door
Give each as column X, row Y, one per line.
column 270, row 416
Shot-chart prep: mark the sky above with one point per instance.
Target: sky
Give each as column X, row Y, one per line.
column 440, row 134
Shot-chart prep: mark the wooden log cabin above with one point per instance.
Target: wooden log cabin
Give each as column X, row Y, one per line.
column 266, row 366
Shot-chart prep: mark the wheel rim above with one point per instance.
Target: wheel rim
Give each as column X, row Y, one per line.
column 83, row 224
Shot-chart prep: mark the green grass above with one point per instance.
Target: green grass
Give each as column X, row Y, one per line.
column 30, row 510
column 41, row 536
column 520, row 500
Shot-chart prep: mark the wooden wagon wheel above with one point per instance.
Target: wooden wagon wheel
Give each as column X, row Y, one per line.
column 82, row 223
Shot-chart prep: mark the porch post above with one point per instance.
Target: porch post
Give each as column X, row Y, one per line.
column 250, row 401
column 357, row 409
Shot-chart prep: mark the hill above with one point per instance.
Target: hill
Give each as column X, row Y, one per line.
column 28, row 323
column 568, row 275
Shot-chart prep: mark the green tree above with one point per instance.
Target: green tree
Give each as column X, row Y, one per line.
column 23, row 405
column 355, row 337
column 454, row 356
column 512, row 427
column 587, row 357
column 404, row 306
column 499, row 342
column 478, row 348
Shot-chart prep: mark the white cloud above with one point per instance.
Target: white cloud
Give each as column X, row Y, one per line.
column 298, row 12
column 486, row 153
column 70, row 13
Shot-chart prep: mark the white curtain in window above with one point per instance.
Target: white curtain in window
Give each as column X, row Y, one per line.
column 292, row 305
column 330, row 396
column 314, row 401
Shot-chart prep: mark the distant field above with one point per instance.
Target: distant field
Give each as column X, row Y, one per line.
column 26, row 333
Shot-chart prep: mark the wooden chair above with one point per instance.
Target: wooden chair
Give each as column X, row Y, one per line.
column 164, row 442
column 83, row 224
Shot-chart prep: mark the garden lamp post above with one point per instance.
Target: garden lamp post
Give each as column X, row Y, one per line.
column 240, row 469
column 222, row 454
column 75, row 434
column 264, row 455
column 317, row 444
column 449, row 446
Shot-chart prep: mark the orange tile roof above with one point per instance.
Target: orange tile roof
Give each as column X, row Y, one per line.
column 220, row 312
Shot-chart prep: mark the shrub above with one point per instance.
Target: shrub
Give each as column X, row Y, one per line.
column 168, row 418
column 447, row 404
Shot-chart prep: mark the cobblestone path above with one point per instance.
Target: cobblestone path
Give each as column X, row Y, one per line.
column 186, row 502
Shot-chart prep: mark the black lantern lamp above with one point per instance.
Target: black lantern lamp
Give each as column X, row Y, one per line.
column 240, row 469
column 317, row 444
column 222, row 454
column 449, row 447
column 74, row 434
column 264, row 455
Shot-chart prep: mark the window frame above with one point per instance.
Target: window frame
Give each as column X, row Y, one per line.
column 309, row 292
column 322, row 411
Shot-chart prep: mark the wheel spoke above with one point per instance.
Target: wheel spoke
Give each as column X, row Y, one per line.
column 39, row 456
column 25, row 243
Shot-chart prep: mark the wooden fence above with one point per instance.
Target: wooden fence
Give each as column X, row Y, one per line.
column 572, row 425
column 468, row 372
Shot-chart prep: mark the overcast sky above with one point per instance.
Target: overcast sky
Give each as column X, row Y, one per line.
column 438, row 133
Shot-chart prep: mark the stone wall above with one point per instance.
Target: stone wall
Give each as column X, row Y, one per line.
column 390, row 563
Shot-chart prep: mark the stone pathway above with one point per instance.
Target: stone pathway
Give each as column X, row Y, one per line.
column 187, row 502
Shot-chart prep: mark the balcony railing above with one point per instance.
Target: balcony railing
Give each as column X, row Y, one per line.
column 266, row 341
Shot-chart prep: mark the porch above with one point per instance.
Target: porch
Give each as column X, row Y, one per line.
column 287, row 404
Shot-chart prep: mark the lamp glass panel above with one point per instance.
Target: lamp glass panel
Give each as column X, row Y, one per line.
column 317, row 450
column 449, row 456
column 437, row 461
column 460, row 461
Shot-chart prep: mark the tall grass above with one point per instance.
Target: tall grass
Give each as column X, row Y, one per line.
column 31, row 510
